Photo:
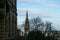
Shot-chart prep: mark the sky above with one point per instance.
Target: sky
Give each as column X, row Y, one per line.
column 48, row 10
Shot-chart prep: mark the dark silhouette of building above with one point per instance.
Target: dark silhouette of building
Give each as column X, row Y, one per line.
column 26, row 25
column 8, row 20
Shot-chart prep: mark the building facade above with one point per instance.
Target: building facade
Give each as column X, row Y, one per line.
column 8, row 20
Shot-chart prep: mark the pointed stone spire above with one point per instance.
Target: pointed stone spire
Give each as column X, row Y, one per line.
column 26, row 25
column 26, row 16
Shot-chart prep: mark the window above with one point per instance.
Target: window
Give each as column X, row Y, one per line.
column 2, row 2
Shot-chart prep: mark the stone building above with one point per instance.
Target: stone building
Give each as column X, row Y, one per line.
column 8, row 20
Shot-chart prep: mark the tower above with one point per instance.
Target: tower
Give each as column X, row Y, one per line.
column 26, row 25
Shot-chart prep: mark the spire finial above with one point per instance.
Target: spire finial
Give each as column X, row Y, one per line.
column 26, row 14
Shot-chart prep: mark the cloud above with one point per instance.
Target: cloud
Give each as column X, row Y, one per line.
column 33, row 1
column 53, row 5
column 34, row 12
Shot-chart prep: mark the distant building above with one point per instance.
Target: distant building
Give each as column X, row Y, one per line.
column 56, row 35
column 8, row 20
column 26, row 25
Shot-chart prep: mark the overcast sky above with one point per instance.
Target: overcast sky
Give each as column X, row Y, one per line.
column 48, row 10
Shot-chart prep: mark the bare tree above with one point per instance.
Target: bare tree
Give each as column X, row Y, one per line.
column 36, row 23
column 48, row 26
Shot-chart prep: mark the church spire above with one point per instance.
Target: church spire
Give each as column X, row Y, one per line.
column 26, row 25
column 26, row 16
